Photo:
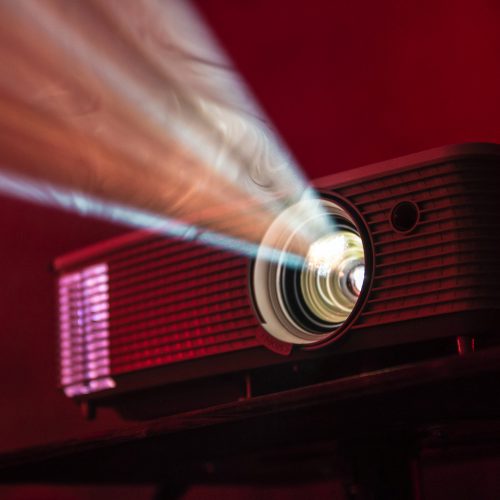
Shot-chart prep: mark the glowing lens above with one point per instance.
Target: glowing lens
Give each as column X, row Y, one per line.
column 310, row 298
column 332, row 276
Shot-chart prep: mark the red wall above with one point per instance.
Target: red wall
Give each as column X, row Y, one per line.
column 349, row 83
column 346, row 83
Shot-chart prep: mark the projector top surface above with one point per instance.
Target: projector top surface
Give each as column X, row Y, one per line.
column 440, row 154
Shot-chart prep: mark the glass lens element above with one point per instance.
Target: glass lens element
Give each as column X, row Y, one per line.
column 332, row 276
column 308, row 287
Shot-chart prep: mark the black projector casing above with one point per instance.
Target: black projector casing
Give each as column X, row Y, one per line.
column 152, row 325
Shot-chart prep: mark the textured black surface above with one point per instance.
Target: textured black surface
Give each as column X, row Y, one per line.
column 413, row 410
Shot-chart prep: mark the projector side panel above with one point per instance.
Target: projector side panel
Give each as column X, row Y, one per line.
column 150, row 302
column 449, row 262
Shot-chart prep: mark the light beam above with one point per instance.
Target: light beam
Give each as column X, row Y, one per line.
column 130, row 111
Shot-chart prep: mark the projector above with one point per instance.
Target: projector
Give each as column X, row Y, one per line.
column 151, row 325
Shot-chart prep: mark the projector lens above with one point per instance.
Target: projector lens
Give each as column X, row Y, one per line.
column 309, row 298
column 327, row 282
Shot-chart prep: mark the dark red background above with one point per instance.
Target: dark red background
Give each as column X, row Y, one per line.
column 346, row 84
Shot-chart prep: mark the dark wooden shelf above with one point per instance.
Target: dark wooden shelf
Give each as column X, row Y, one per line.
column 273, row 437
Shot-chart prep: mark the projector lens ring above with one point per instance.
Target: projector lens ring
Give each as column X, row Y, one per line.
column 308, row 293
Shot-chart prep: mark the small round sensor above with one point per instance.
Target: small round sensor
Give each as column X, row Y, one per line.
column 405, row 216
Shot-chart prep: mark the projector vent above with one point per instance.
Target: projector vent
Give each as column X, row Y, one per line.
column 445, row 264
column 165, row 301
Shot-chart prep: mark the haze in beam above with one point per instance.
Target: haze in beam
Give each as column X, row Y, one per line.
column 130, row 107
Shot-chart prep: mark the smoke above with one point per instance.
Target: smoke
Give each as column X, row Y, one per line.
column 130, row 111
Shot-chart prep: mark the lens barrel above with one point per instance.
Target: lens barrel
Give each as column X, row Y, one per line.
column 309, row 297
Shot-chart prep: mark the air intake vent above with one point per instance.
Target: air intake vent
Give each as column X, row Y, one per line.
column 154, row 302
column 84, row 330
column 447, row 263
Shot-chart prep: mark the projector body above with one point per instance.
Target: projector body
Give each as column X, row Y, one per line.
column 152, row 325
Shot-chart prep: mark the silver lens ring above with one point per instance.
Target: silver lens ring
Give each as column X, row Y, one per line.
column 306, row 284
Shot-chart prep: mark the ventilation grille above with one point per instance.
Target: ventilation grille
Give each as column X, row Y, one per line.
column 84, row 322
column 164, row 302
column 449, row 263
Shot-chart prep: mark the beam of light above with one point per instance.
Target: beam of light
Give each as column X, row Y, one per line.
column 36, row 191
column 129, row 110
